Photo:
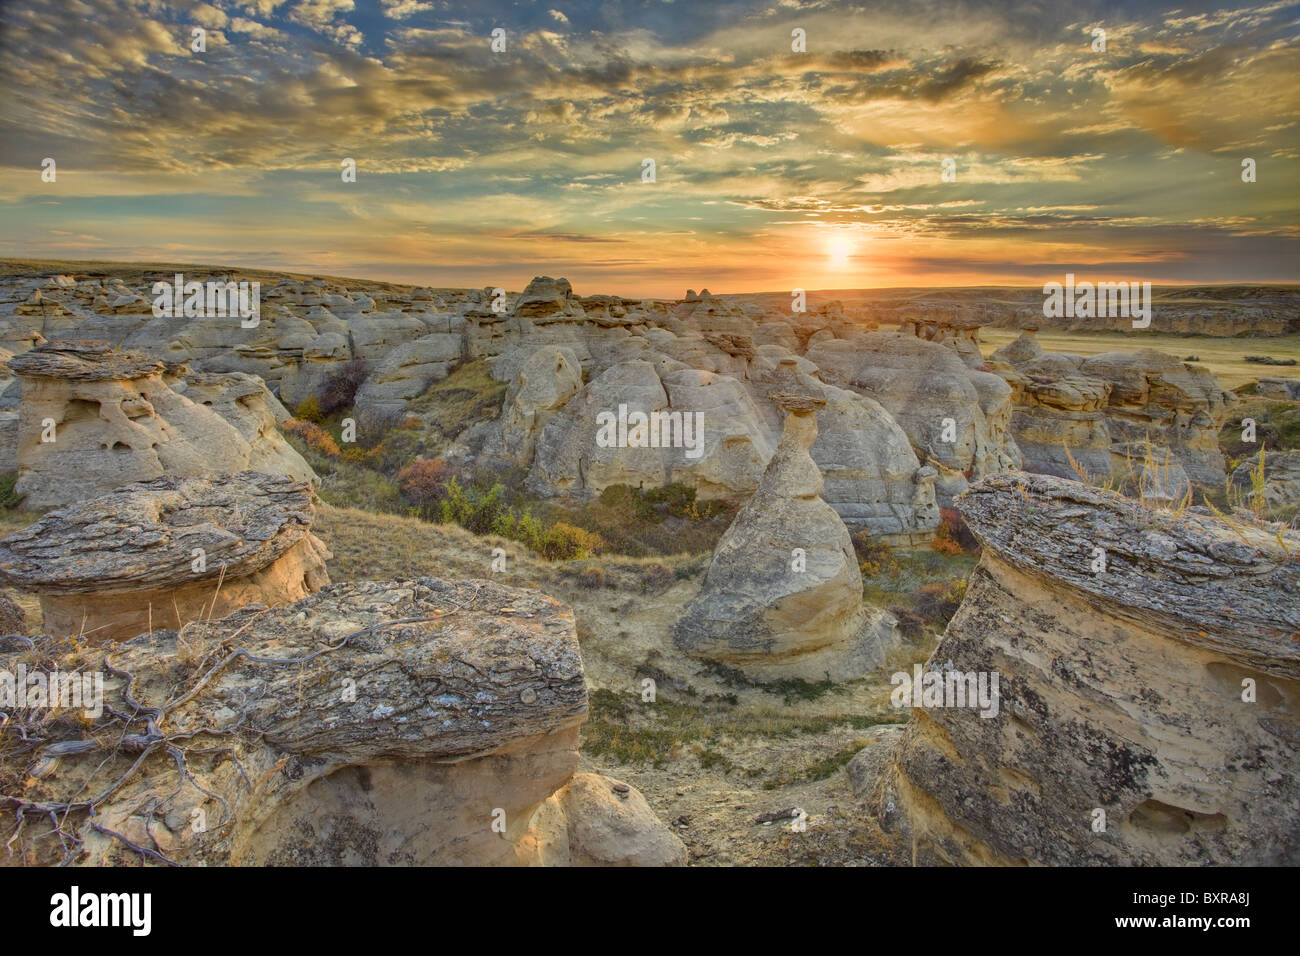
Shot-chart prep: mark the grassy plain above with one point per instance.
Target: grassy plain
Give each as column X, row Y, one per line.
column 1225, row 357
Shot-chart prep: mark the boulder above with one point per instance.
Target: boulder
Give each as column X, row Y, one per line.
column 549, row 300
column 544, row 384
column 92, row 419
column 872, row 478
column 598, row 821
column 953, row 416
column 245, row 402
column 167, row 552
column 1146, row 704
column 402, row 723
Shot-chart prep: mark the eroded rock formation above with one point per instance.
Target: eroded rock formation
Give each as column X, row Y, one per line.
column 163, row 553
column 1118, row 414
column 417, row 722
column 92, row 418
column 783, row 594
column 1149, row 685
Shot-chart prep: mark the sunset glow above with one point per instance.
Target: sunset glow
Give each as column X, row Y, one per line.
column 986, row 143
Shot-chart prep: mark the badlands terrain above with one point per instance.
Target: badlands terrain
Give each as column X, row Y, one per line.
column 392, row 554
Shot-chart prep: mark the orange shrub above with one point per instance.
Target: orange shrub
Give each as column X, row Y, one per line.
column 317, row 438
column 422, row 481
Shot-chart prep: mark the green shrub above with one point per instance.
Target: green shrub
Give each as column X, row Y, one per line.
column 8, row 497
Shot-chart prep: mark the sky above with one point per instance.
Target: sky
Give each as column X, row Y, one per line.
column 775, row 168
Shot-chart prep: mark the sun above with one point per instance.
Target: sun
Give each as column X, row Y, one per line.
column 840, row 250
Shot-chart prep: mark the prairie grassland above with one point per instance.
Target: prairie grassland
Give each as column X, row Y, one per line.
column 1225, row 357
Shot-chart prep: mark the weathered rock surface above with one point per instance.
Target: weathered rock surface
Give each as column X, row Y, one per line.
column 13, row 619
column 166, row 552
column 544, row 384
column 1113, row 410
column 783, row 594
column 244, row 401
column 598, row 821
column 417, row 722
column 872, row 478
column 93, row 418
column 1161, row 691
column 954, row 415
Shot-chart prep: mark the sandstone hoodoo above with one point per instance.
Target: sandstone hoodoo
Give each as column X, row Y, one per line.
column 414, row 722
column 167, row 552
column 93, row 418
column 783, row 594
column 1149, row 670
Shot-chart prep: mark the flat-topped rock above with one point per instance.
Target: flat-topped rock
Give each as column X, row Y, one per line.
column 1147, row 666
column 160, row 553
column 83, row 362
column 421, row 721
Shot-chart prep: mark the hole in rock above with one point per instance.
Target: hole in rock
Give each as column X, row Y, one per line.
column 1163, row 818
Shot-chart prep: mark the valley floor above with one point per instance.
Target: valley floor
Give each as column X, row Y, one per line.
column 712, row 751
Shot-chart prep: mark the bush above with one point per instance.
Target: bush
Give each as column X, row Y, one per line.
column 340, row 388
column 656, row 577
column 316, row 438
column 564, row 542
column 424, row 481
column 936, row 603
column 953, row 537
column 470, row 508
column 374, row 424
column 309, row 410
column 873, row 555
column 591, row 578
column 8, row 498
column 359, row 456
column 674, row 500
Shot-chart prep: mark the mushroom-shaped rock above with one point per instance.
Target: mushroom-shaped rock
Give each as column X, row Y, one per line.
column 93, row 418
column 783, row 594
column 166, row 552
column 411, row 722
column 1147, row 667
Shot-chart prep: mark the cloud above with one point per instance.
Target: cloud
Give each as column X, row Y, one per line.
column 482, row 153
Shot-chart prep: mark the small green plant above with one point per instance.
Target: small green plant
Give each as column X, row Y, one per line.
column 309, row 410
column 8, row 497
